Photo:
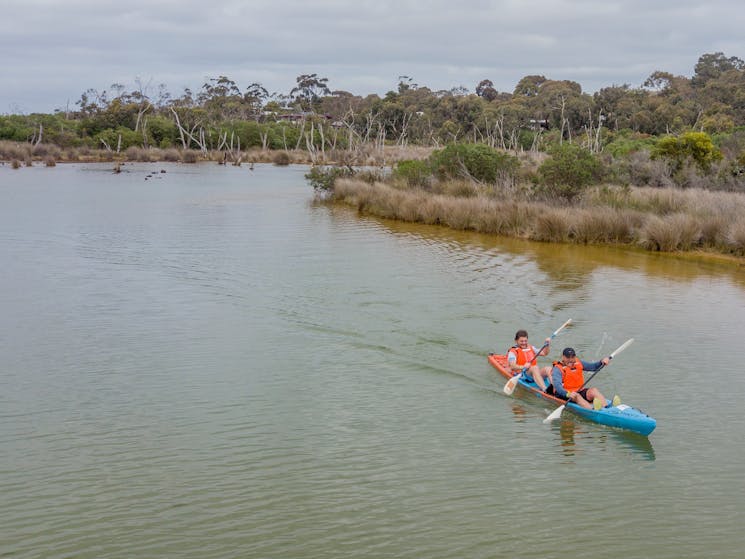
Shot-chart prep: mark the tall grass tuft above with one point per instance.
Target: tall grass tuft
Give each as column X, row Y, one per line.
column 171, row 154
column 604, row 225
column 552, row 226
column 13, row 150
column 134, row 153
column 714, row 230
column 281, row 158
column 189, row 156
column 736, row 238
column 670, row 233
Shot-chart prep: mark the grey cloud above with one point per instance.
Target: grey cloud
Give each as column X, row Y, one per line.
column 54, row 50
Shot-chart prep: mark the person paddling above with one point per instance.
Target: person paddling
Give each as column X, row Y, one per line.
column 523, row 354
column 567, row 381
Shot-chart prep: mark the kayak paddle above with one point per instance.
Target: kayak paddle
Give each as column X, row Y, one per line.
column 556, row 414
column 509, row 388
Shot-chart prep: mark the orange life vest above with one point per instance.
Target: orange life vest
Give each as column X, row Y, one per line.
column 523, row 356
column 571, row 375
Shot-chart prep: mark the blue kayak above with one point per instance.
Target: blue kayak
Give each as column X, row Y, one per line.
column 621, row 416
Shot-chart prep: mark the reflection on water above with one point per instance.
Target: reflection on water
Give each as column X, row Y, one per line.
column 521, row 412
column 568, row 266
column 576, row 436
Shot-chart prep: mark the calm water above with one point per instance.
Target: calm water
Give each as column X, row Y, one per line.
column 204, row 364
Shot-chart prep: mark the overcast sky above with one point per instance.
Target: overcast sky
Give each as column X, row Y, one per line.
column 53, row 50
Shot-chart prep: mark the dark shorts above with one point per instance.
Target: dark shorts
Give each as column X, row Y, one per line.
column 583, row 392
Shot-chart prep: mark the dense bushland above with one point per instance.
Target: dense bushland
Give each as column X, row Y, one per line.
column 671, row 130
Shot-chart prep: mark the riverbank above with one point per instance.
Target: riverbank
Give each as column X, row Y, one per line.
column 691, row 221
column 19, row 155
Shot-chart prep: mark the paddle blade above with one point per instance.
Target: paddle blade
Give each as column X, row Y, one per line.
column 626, row 344
column 511, row 384
column 556, row 414
column 560, row 328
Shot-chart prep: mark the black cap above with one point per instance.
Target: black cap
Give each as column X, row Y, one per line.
column 568, row 352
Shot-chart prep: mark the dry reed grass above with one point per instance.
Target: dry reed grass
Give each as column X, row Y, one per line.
column 144, row 155
column 281, row 158
column 735, row 238
column 14, row 150
column 171, row 154
column 710, row 220
column 189, row 156
column 552, row 225
column 478, row 213
column 670, row 233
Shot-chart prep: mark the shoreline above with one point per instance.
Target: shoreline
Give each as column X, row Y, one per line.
column 692, row 225
column 19, row 155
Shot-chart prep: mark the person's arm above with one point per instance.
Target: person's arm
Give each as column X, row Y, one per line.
column 595, row 365
column 558, row 382
column 512, row 361
column 546, row 349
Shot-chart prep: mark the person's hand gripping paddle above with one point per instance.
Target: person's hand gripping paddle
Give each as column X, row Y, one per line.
column 556, row 414
column 511, row 384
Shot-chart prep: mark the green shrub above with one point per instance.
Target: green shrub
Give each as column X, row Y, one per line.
column 129, row 138
column 162, row 131
column 414, row 172
column 322, row 179
column 249, row 133
column 625, row 143
column 477, row 161
column 696, row 146
column 568, row 171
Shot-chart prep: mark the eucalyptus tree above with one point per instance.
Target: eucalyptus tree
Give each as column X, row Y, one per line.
column 711, row 66
column 222, row 99
column 309, row 90
column 485, row 90
column 529, row 86
column 254, row 98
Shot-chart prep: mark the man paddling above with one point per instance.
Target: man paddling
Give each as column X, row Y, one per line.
column 523, row 354
column 568, row 378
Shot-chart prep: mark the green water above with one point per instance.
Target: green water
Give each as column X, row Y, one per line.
column 206, row 364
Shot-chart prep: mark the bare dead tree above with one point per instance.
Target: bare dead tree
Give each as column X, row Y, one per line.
column 310, row 145
column 536, row 139
column 144, row 133
column 145, row 104
column 323, row 141
column 188, row 136
column 405, row 121
column 380, row 139
column 300, row 136
column 36, row 140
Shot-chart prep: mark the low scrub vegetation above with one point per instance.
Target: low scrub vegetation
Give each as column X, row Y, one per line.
column 664, row 220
